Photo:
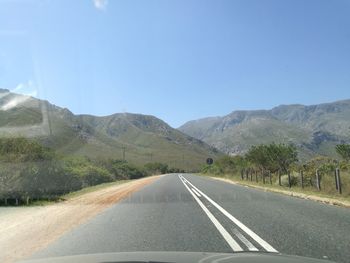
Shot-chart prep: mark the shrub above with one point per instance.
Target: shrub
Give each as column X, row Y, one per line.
column 156, row 168
column 95, row 175
column 212, row 169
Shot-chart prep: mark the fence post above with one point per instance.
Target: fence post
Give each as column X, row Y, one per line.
column 279, row 177
column 263, row 175
column 302, row 179
column 338, row 180
column 289, row 182
column 270, row 176
column 318, row 184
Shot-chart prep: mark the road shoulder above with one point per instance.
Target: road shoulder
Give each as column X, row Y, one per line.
column 26, row 230
column 316, row 198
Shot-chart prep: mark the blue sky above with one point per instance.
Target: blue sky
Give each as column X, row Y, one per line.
column 178, row 60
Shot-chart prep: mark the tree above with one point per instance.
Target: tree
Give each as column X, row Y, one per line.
column 344, row 151
column 259, row 155
column 273, row 156
column 282, row 156
column 230, row 164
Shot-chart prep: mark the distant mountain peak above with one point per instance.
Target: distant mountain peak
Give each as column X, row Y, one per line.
column 315, row 128
column 4, row 90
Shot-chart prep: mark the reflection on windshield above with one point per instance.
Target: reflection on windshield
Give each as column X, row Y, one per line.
column 176, row 128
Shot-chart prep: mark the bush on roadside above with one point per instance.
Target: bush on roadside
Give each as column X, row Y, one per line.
column 156, row 168
column 30, row 171
column 213, row 169
column 122, row 170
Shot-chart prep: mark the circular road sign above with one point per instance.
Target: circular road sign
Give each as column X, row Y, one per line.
column 210, row 161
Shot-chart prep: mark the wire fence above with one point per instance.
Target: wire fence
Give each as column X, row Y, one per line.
column 330, row 182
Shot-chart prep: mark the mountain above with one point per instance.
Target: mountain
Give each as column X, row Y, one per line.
column 143, row 138
column 313, row 129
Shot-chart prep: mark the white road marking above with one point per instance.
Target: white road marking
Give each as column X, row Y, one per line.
column 231, row 242
column 194, row 191
column 246, row 242
column 254, row 236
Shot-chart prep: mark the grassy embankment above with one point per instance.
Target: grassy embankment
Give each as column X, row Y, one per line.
column 327, row 194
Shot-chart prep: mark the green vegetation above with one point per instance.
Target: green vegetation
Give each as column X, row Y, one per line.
column 344, row 151
column 277, row 165
column 137, row 138
column 273, row 157
column 30, row 172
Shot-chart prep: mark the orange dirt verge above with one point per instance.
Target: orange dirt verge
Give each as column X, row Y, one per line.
column 26, row 230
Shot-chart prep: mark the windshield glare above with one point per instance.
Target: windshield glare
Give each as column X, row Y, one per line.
column 174, row 131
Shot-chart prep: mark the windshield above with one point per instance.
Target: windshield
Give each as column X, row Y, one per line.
column 211, row 126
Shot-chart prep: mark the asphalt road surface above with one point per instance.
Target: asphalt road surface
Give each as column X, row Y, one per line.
column 183, row 212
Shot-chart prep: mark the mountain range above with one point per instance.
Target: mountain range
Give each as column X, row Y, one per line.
column 315, row 129
column 139, row 138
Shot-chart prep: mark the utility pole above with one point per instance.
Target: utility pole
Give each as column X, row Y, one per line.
column 123, row 152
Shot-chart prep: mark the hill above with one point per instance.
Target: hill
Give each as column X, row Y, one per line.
column 143, row 138
column 313, row 129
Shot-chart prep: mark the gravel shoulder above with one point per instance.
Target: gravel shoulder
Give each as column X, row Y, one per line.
column 25, row 230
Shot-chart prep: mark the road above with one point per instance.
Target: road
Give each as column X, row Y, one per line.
column 194, row 213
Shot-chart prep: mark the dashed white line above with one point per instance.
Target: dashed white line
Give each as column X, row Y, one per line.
column 231, row 242
column 254, row 236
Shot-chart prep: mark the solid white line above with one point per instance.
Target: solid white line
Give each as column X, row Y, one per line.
column 249, row 245
column 231, row 242
column 258, row 239
column 194, row 191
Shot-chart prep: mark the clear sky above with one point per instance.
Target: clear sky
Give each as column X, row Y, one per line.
column 178, row 60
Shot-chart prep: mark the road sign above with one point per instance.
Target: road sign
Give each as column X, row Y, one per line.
column 210, row 161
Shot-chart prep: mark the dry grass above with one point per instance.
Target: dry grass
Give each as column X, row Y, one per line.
column 327, row 194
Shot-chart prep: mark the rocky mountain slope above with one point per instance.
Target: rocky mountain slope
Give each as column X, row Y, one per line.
column 314, row 129
column 143, row 138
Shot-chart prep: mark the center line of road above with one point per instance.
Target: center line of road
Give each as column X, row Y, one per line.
column 194, row 191
column 249, row 245
column 254, row 236
column 231, row 242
